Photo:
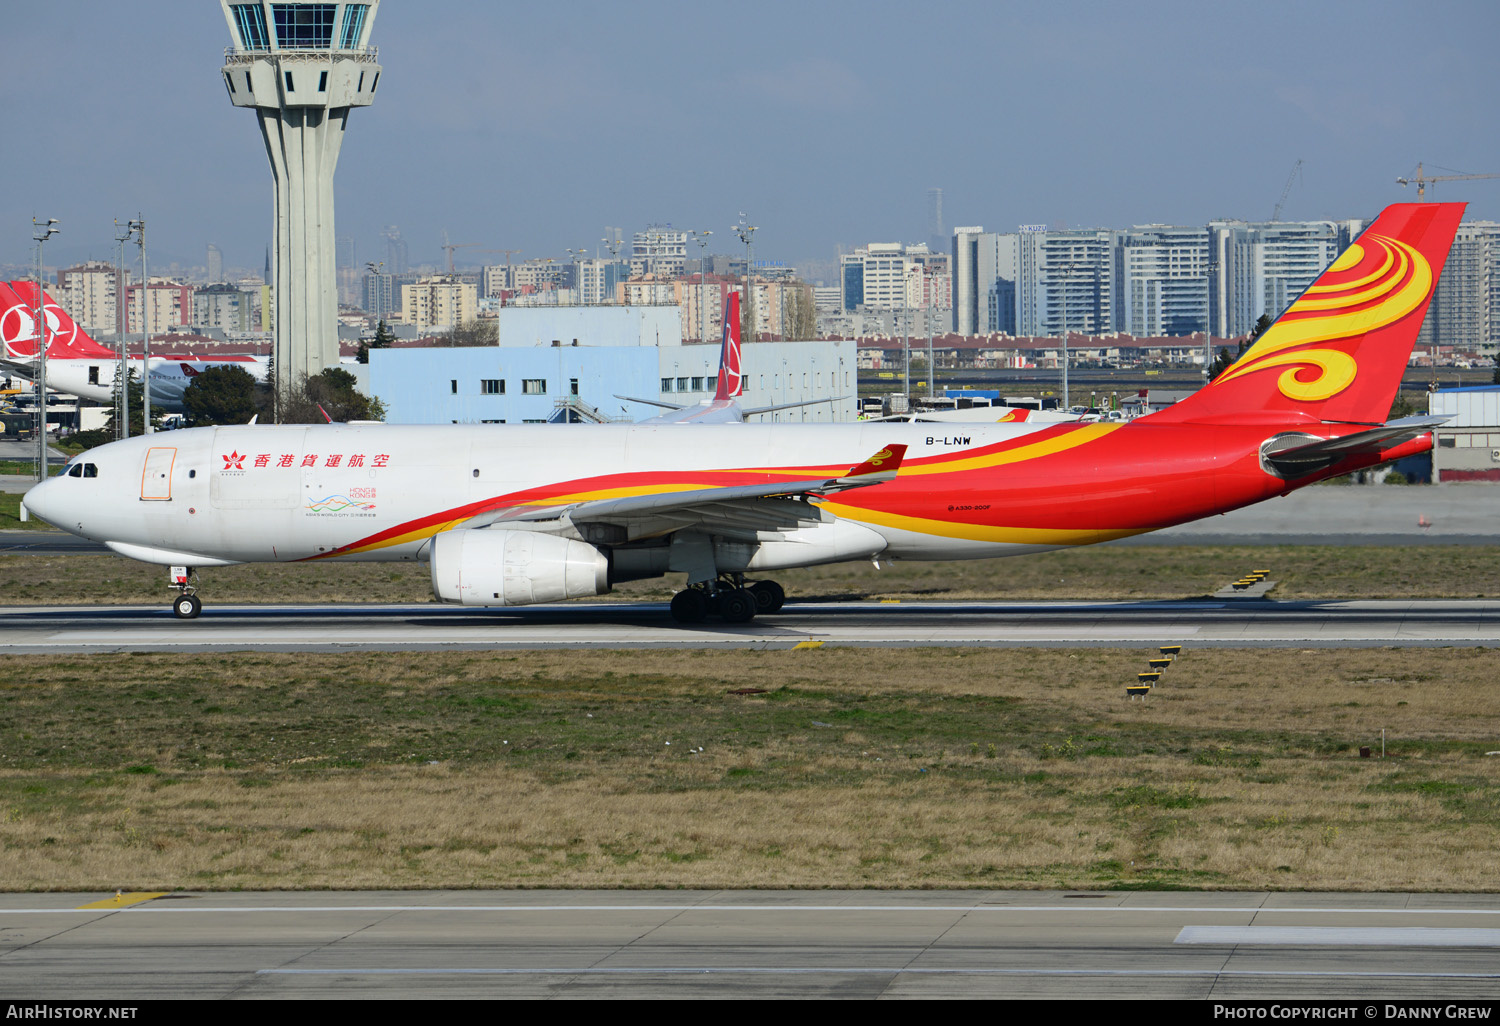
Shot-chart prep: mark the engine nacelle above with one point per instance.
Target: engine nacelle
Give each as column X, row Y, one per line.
column 514, row 568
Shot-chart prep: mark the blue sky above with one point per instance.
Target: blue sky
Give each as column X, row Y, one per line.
column 532, row 127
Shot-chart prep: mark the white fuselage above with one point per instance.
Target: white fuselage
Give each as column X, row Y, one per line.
column 94, row 379
column 207, row 496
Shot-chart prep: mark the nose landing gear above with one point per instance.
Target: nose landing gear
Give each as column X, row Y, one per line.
column 729, row 598
column 184, row 580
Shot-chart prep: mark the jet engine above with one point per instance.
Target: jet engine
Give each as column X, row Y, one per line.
column 485, row 567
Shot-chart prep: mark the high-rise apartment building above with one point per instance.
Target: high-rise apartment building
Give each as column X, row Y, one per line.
column 1264, row 267
column 1166, row 280
column 88, row 292
column 1067, row 281
column 439, row 303
column 889, row 276
column 660, row 250
column 225, row 307
column 169, row 303
column 1465, row 310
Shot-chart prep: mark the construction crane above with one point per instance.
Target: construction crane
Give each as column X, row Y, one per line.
column 1421, row 180
column 1276, row 214
column 450, row 247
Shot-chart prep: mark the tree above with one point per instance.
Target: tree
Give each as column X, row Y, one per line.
column 220, row 395
column 384, row 336
column 1223, row 361
column 137, row 395
column 333, row 391
column 480, row 332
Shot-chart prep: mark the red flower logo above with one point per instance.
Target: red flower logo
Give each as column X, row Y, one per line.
column 234, row 461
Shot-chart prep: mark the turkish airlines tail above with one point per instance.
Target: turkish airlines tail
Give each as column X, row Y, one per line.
column 1337, row 354
column 65, row 338
column 731, row 383
column 17, row 325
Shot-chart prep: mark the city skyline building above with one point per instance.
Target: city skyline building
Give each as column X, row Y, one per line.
column 302, row 67
column 660, row 250
column 1166, row 282
column 88, row 292
column 1465, row 310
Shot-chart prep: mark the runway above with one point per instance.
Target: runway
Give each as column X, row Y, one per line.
column 692, row 944
column 1204, row 623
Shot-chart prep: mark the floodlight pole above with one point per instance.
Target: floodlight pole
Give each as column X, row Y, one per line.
column 139, row 226
column 122, row 329
column 702, row 239
column 44, row 231
column 746, row 232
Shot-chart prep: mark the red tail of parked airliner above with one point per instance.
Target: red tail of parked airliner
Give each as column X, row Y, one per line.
column 17, row 325
column 65, row 339
column 731, row 382
column 1337, row 354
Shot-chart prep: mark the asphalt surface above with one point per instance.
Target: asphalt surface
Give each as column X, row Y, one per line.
column 1203, row 623
column 1355, row 948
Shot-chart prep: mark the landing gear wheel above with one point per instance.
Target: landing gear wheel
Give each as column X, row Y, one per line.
column 689, row 606
column 737, row 605
column 187, row 607
column 769, row 596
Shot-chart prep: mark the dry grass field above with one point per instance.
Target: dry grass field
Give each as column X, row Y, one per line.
column 847, row 768
column 1091, row 572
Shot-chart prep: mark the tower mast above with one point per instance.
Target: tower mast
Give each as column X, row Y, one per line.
column 302, row 67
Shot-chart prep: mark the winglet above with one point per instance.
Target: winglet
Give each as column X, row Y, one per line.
column 886, row 461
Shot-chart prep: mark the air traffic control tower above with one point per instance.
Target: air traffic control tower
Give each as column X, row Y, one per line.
column 302, row 67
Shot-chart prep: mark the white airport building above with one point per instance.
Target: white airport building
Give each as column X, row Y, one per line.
column 573, row 363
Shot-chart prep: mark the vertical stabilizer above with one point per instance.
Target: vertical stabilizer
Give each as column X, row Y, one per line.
column 1337, row 354
column 731, row 383
column 64, row 336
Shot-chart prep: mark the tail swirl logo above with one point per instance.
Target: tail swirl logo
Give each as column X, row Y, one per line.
column 1375, row 282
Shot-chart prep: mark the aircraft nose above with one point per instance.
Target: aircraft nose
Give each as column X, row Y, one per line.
column 41, row 499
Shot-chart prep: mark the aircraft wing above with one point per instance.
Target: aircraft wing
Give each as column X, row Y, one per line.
column 652, row 402
column 1299, row 454
column 752, row 411
column 744, row 508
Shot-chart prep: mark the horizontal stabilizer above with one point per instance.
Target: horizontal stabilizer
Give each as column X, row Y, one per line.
column 1294, row 455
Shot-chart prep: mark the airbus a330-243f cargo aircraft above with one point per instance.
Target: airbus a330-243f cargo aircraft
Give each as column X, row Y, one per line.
column 510, row 515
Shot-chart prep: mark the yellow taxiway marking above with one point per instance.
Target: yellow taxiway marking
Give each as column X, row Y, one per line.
column 808, row 644
column 123, row 898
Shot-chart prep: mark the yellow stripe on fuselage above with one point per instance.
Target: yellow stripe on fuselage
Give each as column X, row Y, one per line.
column 1082, row 435
column 979, row 532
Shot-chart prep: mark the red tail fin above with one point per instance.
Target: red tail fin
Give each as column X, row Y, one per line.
column 17, row 324
column 731, row 384
column 64, row 337
column 1338, row 352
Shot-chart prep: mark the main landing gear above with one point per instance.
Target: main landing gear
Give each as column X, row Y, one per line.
column 184, row 580
column 729, row 598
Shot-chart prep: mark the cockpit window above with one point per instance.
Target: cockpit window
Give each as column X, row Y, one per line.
column 76, row 470
column 83, row 470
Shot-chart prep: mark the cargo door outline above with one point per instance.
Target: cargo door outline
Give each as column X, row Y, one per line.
column 156, row 475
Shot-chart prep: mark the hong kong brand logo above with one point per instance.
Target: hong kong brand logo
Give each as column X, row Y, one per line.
column 234, row 461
